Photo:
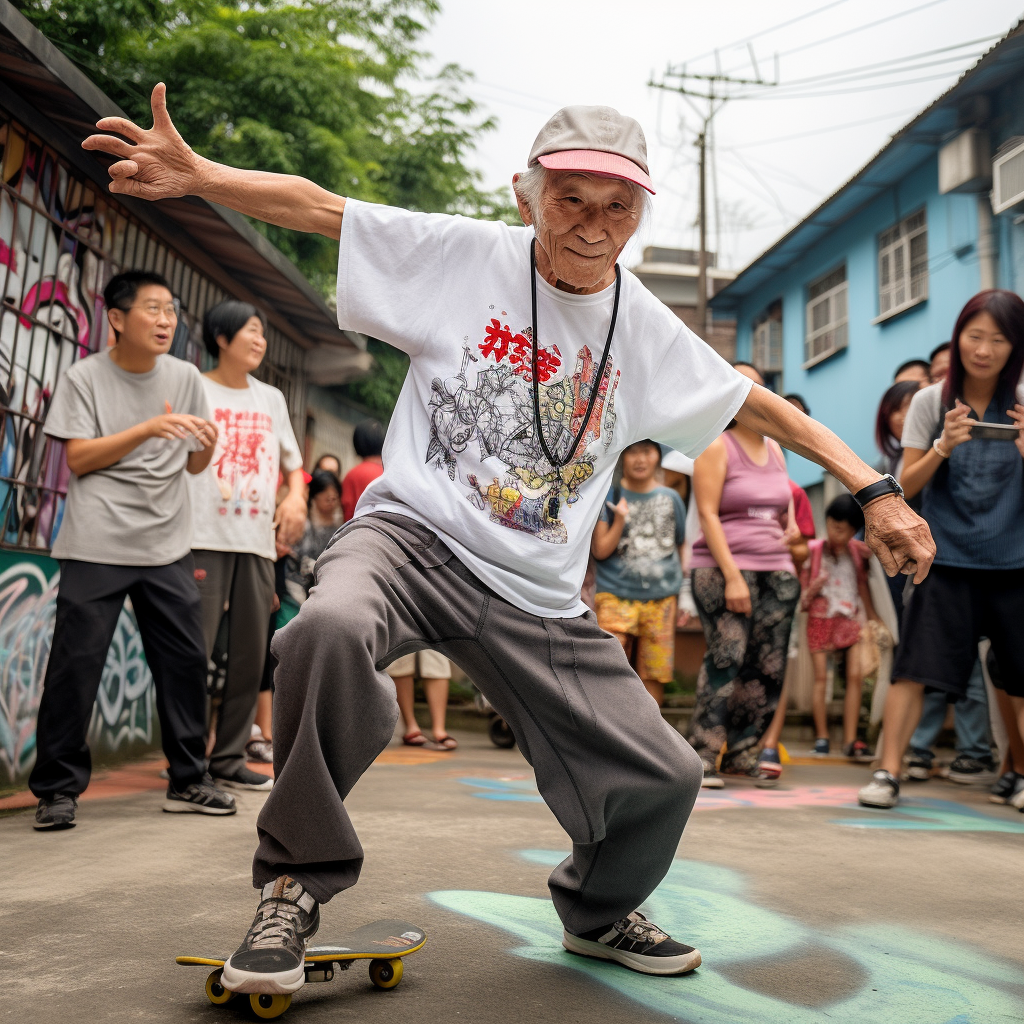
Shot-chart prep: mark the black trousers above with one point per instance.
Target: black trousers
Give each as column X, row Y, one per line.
column 89, row 601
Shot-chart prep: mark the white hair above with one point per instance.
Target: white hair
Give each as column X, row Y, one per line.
column 530, row 187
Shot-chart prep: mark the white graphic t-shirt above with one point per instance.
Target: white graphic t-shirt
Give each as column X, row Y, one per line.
column 233, row 498
column 463, row 455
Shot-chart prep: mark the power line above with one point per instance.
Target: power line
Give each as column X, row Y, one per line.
column 765, row 31
column 819, row 131
column 843, row 92
column 844, row 78
column 861, row 28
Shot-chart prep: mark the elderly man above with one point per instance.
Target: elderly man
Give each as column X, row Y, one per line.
column 534, row 361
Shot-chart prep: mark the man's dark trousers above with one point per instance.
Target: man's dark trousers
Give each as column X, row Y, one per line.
column 89, row 601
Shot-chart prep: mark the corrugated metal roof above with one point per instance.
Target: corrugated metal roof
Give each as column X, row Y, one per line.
column 218, row 241
column 907, row 148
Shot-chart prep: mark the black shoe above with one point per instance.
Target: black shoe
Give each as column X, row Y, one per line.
column 918, row 767
column 856, row 751
column 271, row 957
column 1006, row 788
column 245, row 778
column 56, row 813
column 201, row 797
column 635, row 943
column 969, row 770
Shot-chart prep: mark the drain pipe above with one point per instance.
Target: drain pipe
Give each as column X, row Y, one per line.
column 987, row 256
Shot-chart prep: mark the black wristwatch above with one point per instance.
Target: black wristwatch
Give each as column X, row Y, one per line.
column 887, row 485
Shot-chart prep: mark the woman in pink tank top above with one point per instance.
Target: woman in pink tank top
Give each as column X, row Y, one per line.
column 746, row 591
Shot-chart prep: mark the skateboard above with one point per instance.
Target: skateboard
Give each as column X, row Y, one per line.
column 383, row 943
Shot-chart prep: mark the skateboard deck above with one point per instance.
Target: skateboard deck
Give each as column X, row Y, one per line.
column 383, row 943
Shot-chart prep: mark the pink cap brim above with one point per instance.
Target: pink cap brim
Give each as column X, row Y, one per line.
column 594, row 161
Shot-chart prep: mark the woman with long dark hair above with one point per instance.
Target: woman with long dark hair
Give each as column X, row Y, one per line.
column 964, row 453
column 892, row 413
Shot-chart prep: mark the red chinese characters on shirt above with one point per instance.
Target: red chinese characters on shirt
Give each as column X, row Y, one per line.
column 500, row 342
column 243, row 460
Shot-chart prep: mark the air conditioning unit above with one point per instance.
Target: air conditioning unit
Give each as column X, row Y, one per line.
column 1008, row 179
column 965, row 164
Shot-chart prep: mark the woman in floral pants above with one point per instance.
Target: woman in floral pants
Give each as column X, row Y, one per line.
column 746, row 592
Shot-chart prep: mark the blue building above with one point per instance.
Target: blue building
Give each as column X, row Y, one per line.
column 878, row 272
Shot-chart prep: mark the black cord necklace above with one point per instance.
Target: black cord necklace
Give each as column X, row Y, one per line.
column 595, row 387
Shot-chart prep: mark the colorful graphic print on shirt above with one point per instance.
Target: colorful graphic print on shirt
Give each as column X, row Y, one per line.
column 495, row 412
column 243, row 461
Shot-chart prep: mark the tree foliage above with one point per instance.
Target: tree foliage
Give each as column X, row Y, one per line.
column 333, row 90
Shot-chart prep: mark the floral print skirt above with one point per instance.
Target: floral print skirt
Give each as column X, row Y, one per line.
column 742, row 673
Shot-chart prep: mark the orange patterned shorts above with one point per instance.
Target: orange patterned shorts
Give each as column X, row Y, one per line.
column 653, row 623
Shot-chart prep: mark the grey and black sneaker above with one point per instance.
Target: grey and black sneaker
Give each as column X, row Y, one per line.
column 245, row 778
column 201, row 797
column 977, row 770
column 1008, row 786
column 882, row 791
column 260, row 750
column 56, row 813
column 711, row 780
column 635, row 943
column 918, row 767
column 271, row 957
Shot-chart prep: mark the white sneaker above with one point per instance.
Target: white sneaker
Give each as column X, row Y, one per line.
column 635, row 943
column 1017, row 800
column 882, row 791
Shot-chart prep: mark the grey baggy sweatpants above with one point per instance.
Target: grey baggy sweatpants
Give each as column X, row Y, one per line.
column 618, row 778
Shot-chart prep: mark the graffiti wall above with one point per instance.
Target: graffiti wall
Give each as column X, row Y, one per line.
column 124, row 715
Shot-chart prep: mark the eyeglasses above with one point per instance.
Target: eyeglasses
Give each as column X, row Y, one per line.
column 154, row 309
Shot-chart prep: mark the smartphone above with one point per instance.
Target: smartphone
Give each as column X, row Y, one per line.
column 995, row 431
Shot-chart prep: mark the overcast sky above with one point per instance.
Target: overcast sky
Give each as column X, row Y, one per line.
column 531, row 57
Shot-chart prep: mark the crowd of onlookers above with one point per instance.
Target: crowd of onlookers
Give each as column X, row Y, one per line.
column 188, row 495
column 773, row 599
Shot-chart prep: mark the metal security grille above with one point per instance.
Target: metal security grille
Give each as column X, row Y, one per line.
column 903, row 265
column 826, row 330
column 61, row 240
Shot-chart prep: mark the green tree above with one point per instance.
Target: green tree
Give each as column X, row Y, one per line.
column 334, row 90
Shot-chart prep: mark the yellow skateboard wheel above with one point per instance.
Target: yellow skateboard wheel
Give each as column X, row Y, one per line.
column 215, row 991
column 267, row 1007
column 386, row 973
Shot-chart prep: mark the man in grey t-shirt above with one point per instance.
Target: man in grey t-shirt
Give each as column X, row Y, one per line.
column 135, row 421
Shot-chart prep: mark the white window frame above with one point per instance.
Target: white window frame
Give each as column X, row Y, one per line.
column 903, row 266
column 766, row 345
column 831, row 334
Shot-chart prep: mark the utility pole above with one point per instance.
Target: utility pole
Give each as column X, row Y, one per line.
column 715, row 98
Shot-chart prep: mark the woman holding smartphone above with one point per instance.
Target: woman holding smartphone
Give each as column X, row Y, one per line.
column 964, row 454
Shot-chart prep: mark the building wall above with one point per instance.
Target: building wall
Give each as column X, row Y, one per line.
column 61, row 239
column 843, row 391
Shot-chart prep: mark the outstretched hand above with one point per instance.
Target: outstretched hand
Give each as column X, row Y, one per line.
column 155, row 163
column 899, row 537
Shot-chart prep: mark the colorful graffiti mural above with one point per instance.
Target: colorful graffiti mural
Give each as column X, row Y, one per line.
column 124, row 711
column 871, row 974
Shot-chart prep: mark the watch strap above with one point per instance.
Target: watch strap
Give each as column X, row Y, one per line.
column 887, row 485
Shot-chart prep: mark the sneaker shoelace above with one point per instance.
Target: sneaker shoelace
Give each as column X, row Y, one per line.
column 278, row 926
column 637, row 928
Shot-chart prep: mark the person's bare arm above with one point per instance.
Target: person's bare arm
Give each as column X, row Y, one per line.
column 158, row 164
column 86, row 455
column 290, row 518
column 607, row 535
column 709, row 471
column 920, row 466
column 897, row 535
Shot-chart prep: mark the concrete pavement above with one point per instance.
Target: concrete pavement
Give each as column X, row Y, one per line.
column 806, row 908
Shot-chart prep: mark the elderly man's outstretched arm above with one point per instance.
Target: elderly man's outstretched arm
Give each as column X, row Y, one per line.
column 897, row 535
column 158, row 164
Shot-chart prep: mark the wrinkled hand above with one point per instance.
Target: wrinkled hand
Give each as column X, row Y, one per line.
column 153, row 164
column 737, row 596
column 177, row 426
column 1017, row 415
column 899, row 537
column 290, row 519
column 956, row 427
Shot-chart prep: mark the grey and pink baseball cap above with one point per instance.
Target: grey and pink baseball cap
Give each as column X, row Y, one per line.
column 593, row 140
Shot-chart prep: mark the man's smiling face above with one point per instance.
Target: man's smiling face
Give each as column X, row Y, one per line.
column 582, row 224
